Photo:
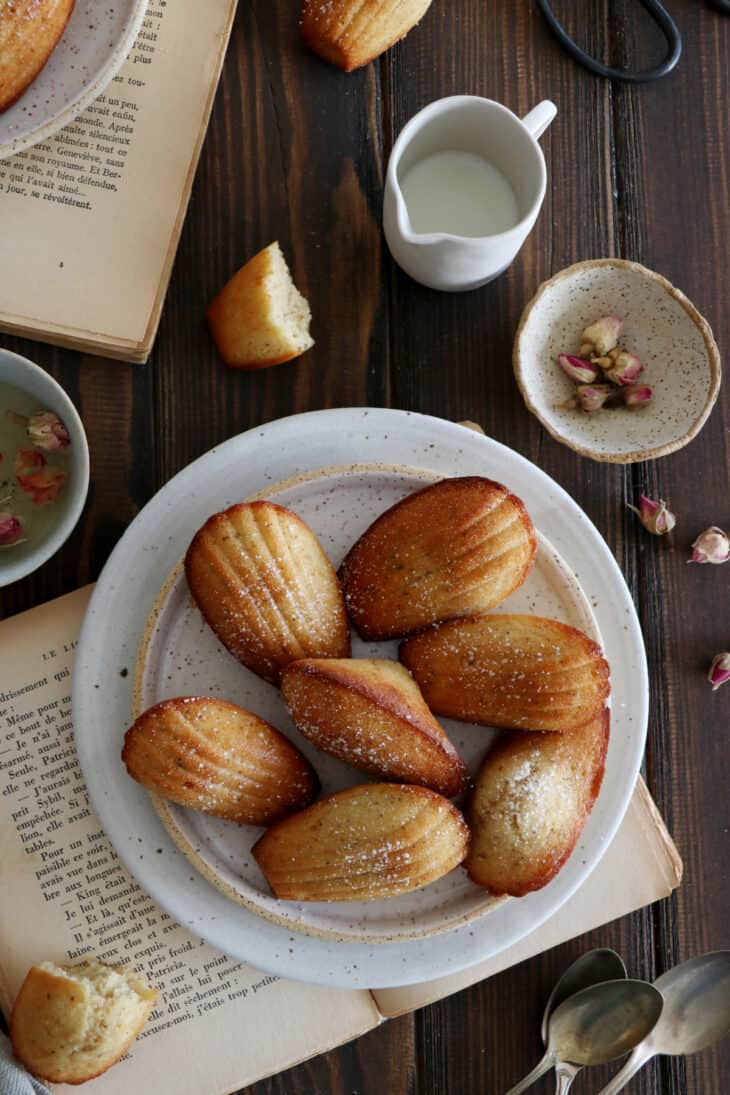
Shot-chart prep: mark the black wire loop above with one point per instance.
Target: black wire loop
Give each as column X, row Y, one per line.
column 661, row 17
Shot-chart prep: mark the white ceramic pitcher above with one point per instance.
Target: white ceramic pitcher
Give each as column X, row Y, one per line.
column 466, row 123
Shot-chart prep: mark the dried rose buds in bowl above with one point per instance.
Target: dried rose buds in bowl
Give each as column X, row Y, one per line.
column 600, row 358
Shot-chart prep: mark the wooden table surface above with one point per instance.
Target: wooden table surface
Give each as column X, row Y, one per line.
column 295, row 152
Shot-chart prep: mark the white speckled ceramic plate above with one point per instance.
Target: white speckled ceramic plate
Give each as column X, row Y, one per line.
column 682, row 361
column 180, row 655
column 130, row 586
column 93, row 47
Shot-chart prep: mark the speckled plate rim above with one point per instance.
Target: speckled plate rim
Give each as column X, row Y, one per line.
column 96, row 85
column 131, row 581
column 713, row 358
column 162, row 806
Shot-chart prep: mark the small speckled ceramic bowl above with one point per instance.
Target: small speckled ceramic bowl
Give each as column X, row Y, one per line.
column 21, row 560
column 681, row 358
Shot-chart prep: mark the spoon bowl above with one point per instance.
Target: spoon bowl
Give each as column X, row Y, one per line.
column 696, row 1013
column 597, row 1025
column 592, row 968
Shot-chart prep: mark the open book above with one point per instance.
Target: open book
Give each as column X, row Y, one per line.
column 64, row 894
column 101, row 204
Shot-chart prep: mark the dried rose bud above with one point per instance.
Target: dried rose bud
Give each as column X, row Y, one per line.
column 603, row 335
column 591, row 397
column 624, row 368
column 47, row 431
column 719, row 671
column 654, row 516
column 711, row 546
column 582, row 372
column 636, row 395
column 11, row 529
column 36, row 478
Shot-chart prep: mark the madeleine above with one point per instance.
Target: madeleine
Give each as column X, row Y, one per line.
column 512, row 672
column 219, row 759
column 264, row 584
column 530, row 803
column 368, row 842
column 452, row 549
column 370, row 713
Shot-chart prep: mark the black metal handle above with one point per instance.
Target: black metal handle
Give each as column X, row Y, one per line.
column 661, row 17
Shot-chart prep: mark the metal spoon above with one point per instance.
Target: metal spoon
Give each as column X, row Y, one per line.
column 592, row 968
column 696, row 1013
column 596, row 1025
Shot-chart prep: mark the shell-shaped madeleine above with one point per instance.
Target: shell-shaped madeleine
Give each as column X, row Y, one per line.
column 266, row 587
column 452, row 549
column 219, row 759
column 530, row 803
column 509, row 671
column 371, row 841
column 350, row 33
column 370, row 713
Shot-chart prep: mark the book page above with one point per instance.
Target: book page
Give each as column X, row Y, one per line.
column 642, row 856
column 100, row 204
column 65, row 894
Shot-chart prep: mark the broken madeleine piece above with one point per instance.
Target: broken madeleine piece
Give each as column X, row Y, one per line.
column 262, row 581
column 219, row 759
column 71, row 1023
column 370, row 713
column 350, row 33
column 530, row 803
column 452, row 549
column 260, row 318
column 508, row 671
column 368, row 842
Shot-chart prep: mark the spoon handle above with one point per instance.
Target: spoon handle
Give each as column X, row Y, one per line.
column 564, row 1075
column 636, row 1061
column 539, row 1070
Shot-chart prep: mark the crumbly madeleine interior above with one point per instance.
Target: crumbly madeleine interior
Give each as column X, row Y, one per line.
column 111, row 997
column 290, row 311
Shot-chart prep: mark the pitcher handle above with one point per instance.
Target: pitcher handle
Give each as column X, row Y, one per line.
column 540, row 118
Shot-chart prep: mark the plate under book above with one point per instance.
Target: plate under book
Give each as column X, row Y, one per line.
column 328, row 467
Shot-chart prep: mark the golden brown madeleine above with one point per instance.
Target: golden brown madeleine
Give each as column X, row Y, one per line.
column 71, row 1023
column 458, row 547
column 29, row 33
column 219, row 759
column 513, row 672
column 371, row 714
column 266, row 587
column 350, row 33
column 372, row 841
column 532, row 798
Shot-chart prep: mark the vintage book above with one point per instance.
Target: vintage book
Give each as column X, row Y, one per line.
column 64, row 893
column 101, row 204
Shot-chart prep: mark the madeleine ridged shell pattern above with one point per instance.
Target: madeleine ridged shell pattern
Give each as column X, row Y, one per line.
column 513, row 672
column 266, row 587
column 219, row 759
column 452, row 549
column 371, row 841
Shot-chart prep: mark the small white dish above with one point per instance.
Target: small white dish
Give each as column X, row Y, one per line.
column 91, row 51
column 17, row 562
column 681, row 358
